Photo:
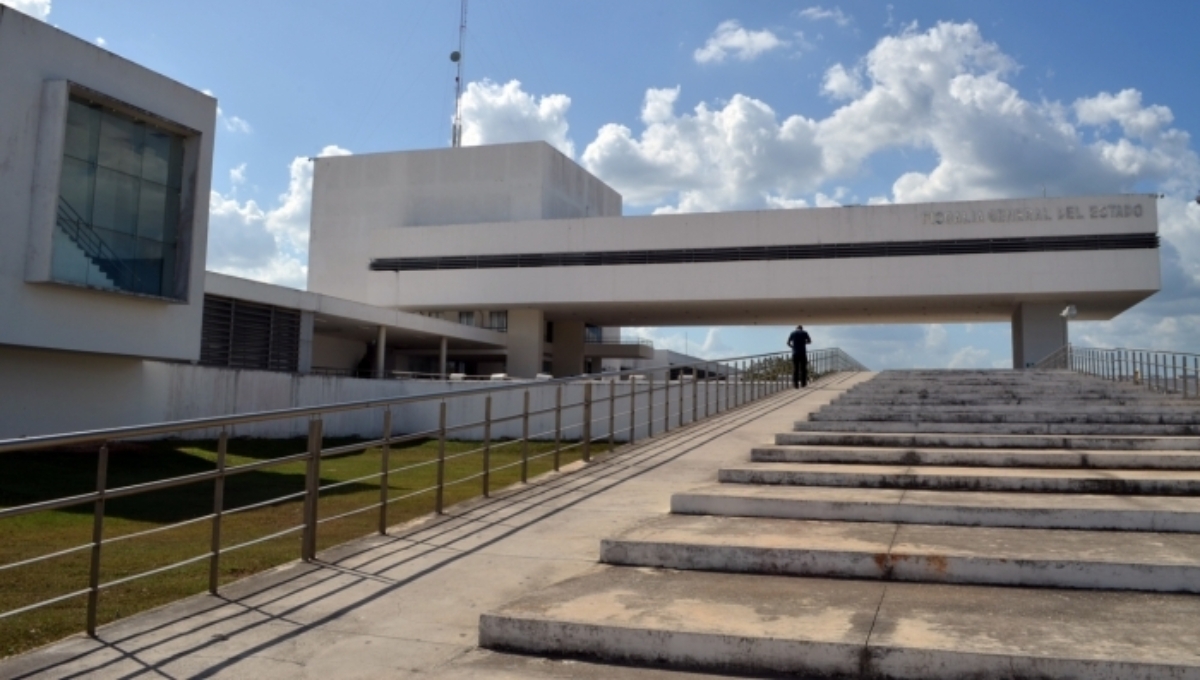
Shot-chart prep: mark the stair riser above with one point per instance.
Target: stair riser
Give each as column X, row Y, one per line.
column 1039, row 415
column 720, row 653
column 999, row 428
column 1018, row 518
column 981, row 458
column 932, row 440
column 922, row 568
column 1125, row 487
column 678, row 649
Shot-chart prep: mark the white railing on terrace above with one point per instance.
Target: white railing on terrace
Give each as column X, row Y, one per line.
column 1157, row 370
column 606, row 408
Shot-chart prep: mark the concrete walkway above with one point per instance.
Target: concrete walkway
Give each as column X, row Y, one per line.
column 408, row 604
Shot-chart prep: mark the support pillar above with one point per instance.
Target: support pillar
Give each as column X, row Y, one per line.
column 1038, row 329
column 526, row 342
column 380, row 351
column 442, row 358
column 304, row 360
column 568, row 348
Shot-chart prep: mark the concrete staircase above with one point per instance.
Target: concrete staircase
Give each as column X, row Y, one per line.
column 927, row 524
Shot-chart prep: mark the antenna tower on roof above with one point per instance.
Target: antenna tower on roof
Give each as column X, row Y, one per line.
column 457, row 57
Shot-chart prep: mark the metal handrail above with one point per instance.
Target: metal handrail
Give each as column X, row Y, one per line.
column 744, row 381
column 94, row 247
column 1160, row 371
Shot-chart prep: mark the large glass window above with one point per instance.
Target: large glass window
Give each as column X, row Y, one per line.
column 119, row 201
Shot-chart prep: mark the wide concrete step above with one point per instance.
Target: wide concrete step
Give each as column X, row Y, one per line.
column 977, row 398
column 957, row 508
column 1145, row 482
column 1027, row 458
column 755, row 625
column 989, row 441
column 913, row 552
column 997, row 428
column 1010, row 414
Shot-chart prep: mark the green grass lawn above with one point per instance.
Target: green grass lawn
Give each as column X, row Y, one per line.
column 27, row 477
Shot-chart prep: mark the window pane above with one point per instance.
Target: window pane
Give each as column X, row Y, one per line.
column 83, row 129
column 175, row 163
column 121, row 145
column 75, row 188
column 148, row 267
column 156, row 156
column 116, row 202
column 152, row 211
column 67, row 261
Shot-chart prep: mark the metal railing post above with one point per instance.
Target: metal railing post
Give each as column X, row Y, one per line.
column 97, row 538
column 695, row 394
column 487, row 447
column 587, row 421
column 1174, row 375
column 214, row 560
column 632, row 409
column 525, row 440
column 707, row 387
column 682, row 398
column 612, row 414
column 384, row 464
column 667, row 403
column 312, row 479
column 557, row 425
column 650, row 417
column 439, row 492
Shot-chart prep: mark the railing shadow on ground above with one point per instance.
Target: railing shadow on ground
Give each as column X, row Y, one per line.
column 370, row 559
column 648, row 408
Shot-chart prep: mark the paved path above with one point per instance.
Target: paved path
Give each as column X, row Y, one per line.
column 408, row 604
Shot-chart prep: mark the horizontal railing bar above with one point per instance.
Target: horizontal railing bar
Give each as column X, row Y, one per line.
column 35, row 560
column 262, row 504
column 214, row 422
column 372, row 506
column 411, row 494
column 262, row 539
column 152, row 572
column 261, row 464
column 347, row 482
column 155, row 530
column 43, row 603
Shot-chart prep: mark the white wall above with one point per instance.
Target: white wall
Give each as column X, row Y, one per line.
column 353, row 195
column 56, row 392
column 32, row 54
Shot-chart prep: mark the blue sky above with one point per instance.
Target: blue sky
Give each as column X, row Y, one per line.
column 713, row 105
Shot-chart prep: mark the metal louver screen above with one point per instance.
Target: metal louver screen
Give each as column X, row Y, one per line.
column 240, row 334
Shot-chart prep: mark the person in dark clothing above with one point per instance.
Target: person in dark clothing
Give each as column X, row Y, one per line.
column 799, row 342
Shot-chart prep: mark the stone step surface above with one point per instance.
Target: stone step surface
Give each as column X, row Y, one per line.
column 1027, row 458
column 1129, row 482
column 989, row 441
column 957, row 508
column 1014, row 414
column 913, row 552
column 1034, row 428
column 728, row 623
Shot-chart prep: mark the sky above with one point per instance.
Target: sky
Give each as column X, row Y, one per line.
column 707, row 105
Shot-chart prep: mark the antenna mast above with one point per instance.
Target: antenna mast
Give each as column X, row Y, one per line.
column 457, row 58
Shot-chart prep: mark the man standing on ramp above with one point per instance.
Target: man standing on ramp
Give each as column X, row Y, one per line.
column 798, row 341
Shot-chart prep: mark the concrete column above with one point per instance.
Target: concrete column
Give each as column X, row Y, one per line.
column 526, row 335
column 1038, row 329
column 304, row 361
column 568, row 348
column 380, row 351
column 442, row 358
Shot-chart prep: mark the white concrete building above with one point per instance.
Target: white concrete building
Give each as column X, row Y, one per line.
column 508, row 259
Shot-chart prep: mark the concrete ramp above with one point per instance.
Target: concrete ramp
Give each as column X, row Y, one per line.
column 924, row 525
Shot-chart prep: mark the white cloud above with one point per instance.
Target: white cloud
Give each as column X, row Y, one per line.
column 101, row 42
column 38, row 9
column 973, row 357
column 841, row 83
column 730, row 39
column 705, row 343
column 235, row 124
column 495, row 114
column 818, row 13
column 237, row 176
column 265, row 244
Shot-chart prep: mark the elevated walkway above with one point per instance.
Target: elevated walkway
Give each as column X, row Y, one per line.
column 927, row 545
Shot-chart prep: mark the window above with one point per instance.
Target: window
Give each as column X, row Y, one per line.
column 466, row 318
column 593, row 334
column 118, row 222
column 498, row 321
